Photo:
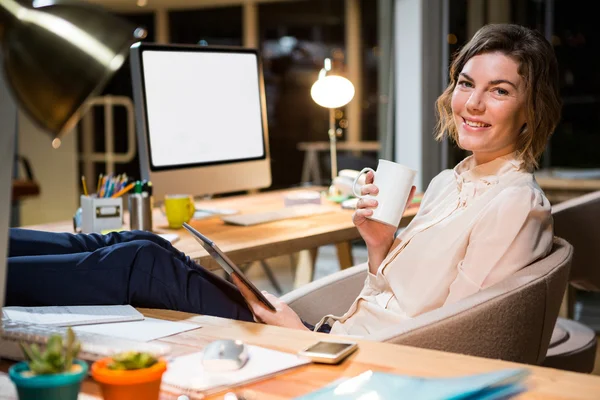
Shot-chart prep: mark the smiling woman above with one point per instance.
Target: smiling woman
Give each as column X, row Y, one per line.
column 485, row 219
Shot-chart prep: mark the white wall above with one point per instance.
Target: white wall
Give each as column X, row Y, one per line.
column 56, row 172
column 419, row 39
column 408, row 70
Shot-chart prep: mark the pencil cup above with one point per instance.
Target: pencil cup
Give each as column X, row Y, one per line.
column 140, row 212
column 101, row 213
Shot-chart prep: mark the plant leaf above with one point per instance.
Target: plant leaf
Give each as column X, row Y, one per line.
column 29, row 356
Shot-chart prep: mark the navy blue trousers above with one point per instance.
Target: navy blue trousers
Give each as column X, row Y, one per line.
column 137, row 268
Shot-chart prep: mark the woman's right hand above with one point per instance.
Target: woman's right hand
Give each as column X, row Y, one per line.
column 378, row 236
column 374, row 233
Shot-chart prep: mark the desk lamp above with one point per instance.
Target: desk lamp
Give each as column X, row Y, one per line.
column 55, row 54
column 332, row 91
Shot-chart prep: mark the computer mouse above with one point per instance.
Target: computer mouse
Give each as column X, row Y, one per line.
column 224, row 355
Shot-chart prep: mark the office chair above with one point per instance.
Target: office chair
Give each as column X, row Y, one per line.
column 512, row 320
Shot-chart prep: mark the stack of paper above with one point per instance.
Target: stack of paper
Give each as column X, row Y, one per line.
column 382, row 386
column 71, row 315
column 186, row 375
column 147, row 330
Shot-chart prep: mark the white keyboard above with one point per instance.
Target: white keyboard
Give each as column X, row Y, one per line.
column 93, row 346
column 304, row 210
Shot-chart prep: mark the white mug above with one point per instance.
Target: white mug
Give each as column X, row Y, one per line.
column 394, row 182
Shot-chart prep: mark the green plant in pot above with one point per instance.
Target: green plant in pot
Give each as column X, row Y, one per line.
column 129, row 375
column 52, row 373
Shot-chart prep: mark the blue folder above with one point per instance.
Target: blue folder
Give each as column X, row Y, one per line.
column 501, row 384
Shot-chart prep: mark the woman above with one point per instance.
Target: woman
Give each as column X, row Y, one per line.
column 477, row 224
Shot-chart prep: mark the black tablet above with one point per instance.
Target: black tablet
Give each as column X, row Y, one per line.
column 226, row 263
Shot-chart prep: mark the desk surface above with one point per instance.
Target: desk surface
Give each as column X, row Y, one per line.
column 258, row 242
column 543, row 383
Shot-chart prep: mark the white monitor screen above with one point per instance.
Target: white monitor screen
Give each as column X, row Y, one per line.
column 202, row 107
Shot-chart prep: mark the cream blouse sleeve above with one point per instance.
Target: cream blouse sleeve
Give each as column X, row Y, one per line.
column 515, row 230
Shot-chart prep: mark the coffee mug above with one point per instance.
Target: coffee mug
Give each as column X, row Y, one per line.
column 394, row 182
column 179, row 209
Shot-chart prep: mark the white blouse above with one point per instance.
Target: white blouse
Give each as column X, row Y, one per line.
column 476, row 226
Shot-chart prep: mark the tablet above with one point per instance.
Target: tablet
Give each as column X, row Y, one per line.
column 226, row 263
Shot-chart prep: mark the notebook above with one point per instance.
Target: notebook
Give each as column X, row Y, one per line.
column 71, row 315
column 186, row 374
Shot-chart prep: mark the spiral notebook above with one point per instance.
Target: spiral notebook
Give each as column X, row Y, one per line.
column 186, row 375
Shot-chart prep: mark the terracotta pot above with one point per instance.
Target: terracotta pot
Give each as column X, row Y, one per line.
column 130, row 384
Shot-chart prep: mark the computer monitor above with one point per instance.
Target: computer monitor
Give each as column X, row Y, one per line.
column 201, row 118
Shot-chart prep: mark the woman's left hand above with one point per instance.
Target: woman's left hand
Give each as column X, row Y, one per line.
column 283, row 316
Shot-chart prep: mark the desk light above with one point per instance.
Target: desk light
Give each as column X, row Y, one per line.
column 55, row 54
column 332, row 91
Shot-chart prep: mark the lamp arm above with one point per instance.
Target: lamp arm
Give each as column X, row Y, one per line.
column 332, row 144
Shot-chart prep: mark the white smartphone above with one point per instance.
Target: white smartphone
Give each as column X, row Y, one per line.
column 329, row 352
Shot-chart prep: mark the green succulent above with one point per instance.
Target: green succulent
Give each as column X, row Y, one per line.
column 132, row 360
column 56, row 358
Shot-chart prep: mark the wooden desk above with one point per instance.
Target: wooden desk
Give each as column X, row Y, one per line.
column 559, row 189
column 253, row 243
column 543, row 383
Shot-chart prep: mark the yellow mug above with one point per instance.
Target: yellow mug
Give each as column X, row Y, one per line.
column 179, row 209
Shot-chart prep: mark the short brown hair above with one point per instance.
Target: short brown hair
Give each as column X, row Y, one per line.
column 539, row 69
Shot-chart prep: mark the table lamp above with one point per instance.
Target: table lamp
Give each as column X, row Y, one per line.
column 332, row 91
column 55, row 55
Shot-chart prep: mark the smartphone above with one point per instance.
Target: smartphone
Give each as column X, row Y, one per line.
column 329, row 352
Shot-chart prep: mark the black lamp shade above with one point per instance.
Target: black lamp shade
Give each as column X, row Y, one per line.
column 57, row 54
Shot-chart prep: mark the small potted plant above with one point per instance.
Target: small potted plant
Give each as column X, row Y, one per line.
column 52, row 374
column 129, row 375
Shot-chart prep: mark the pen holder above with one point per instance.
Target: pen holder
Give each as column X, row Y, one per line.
column 101, row 213
column 140, row 212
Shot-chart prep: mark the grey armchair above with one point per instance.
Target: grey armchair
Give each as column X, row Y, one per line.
column 512, row 320
column 573, row 345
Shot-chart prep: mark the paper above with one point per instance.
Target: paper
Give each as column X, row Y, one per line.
column 186, row 373
column 501, row 384
column 171, row 237
column 143, row 331
column 72, row 315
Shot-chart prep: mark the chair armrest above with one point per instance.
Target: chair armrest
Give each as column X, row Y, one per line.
column 332, row 294
column 511, row 320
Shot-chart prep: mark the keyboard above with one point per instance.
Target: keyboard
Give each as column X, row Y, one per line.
column 304, row 210
column 93, row 346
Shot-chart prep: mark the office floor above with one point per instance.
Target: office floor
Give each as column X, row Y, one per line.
column 587, row 309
